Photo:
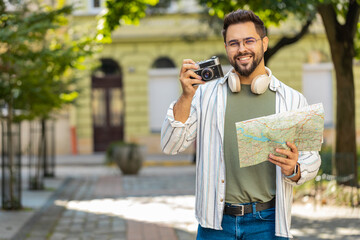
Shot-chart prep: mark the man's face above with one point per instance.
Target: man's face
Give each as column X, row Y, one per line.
column 244, row 47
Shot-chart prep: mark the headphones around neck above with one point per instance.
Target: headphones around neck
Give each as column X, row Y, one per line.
column 258, row 85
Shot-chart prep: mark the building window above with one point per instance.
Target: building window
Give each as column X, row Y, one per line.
column 116, row 106
column 108, row 67
column 95, row 6
column 163, row 62
column 96, row 3
column 99, row 107
column 163, row 75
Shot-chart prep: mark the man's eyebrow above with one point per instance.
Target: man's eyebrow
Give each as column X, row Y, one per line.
column 241, row 39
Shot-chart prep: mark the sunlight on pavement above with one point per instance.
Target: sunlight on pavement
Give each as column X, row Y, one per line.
column 174, row 211
column 324, row 212
column 347, row 231
column 325, row 222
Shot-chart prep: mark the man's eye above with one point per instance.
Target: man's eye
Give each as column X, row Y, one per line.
column 249, row 41
column 234, row 44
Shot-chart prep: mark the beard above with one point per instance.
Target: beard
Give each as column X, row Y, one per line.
column 244, row 70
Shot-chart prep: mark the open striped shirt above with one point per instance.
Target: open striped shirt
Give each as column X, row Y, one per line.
column 206, row 124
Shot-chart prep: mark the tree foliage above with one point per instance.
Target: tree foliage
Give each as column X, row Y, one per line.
column 121, row 12
column 36, row 58
column 271, row 11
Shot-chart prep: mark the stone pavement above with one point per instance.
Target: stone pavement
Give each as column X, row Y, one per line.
column 325, row 222
column 88, row 200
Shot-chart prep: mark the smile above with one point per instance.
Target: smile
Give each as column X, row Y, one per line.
column 244, row 58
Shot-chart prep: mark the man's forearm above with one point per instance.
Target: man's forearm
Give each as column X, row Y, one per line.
column 182, row 108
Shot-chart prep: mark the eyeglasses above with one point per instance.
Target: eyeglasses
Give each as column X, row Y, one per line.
column 247, row 42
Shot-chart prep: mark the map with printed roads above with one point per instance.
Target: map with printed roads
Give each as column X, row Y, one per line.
column 259, row 137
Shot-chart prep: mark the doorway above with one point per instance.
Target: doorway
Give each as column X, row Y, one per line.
column 107, row 101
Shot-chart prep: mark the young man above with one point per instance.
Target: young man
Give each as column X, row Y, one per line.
column 233, row 202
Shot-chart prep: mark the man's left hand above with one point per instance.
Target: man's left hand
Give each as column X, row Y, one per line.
column 288, row 163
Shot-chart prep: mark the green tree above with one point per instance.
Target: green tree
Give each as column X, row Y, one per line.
column 36, row 58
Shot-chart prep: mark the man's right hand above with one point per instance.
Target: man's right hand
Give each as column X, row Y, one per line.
column 187, row 79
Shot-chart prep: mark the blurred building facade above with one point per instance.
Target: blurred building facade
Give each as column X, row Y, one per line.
column 127, row 97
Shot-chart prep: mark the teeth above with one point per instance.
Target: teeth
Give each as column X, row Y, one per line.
column 244, row 58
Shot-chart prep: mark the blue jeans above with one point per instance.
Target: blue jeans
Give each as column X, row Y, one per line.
column 251, row 226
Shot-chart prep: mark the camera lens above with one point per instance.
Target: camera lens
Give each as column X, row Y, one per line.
column 207, row 74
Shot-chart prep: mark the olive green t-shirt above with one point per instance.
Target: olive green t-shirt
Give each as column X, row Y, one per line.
column 255, row 183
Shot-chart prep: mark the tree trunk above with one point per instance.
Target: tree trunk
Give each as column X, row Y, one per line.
column 43, row 143
column 345, row 150
column 10, row 152
column 342, row 52
column 11, row 170
column 40, row 163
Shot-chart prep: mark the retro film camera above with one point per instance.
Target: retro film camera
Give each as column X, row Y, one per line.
column 210, row 69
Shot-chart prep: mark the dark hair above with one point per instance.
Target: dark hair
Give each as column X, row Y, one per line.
column 242, row 16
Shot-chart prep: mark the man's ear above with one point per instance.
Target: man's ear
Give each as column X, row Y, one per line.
column 265, row 43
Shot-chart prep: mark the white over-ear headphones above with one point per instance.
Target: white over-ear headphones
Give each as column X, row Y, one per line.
column 258, row 85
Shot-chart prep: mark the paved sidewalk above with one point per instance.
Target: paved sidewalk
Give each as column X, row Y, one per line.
column 93, row 201
column 325, row 222
column 88, row 200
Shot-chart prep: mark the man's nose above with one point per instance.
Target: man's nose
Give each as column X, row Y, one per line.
column 242, row 47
